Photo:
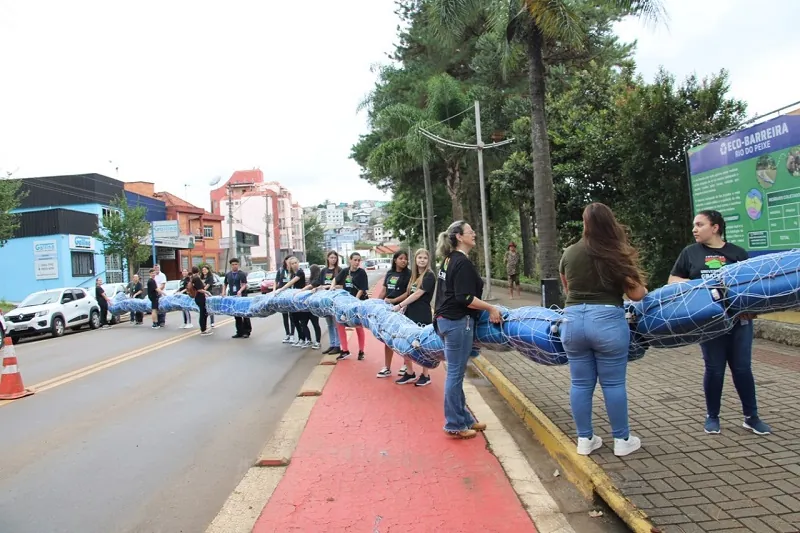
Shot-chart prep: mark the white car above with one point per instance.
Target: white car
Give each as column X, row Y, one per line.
column 111, row 290
column 52, row 311
column 171, row 287
column 3, row 328
column 254, row 280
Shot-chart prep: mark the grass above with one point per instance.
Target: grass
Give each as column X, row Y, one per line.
column 5, row 306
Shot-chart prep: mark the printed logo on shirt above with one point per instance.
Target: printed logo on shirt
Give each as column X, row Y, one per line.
column 392, row 283
column 443, row 271
column 413, row 288
column 328, row 278
column 713, row 263
column 348, row 282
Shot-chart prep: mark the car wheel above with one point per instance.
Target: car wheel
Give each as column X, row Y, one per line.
column 94, row 320
column 58, row 326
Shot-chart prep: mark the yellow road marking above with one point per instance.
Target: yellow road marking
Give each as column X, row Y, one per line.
column 108, row 363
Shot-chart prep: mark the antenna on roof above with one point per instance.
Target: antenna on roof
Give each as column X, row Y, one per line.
column 214, row 180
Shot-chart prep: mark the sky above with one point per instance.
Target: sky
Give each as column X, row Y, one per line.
column 180, row 92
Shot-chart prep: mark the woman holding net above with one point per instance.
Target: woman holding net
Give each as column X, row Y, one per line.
column 596, row 272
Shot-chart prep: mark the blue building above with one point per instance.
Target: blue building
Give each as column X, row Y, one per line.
column 54, row 245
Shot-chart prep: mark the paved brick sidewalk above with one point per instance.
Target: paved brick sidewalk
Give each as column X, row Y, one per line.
column 685, row 480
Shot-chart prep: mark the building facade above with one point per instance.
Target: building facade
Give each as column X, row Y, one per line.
column 54, row 245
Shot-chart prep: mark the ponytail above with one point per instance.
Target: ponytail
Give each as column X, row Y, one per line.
column 447, row 242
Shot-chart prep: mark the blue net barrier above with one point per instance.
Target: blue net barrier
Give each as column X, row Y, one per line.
column 674, row 315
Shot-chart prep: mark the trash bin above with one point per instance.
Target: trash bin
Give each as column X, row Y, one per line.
column 551, row 293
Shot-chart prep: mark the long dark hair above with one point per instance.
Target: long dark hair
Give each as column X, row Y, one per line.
column 716, row 219
column 607, row 243
column 336, row 267
column 395, row 257
column 314, row 271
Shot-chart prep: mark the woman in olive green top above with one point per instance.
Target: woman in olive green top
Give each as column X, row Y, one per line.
column 596, row 272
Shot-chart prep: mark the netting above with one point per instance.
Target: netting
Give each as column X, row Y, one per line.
column 674, row 315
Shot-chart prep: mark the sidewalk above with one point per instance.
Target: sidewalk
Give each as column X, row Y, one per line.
column 373, row 458
column 685, row 480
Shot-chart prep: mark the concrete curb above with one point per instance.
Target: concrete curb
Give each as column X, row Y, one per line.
column 537, row 501
column 587, row 475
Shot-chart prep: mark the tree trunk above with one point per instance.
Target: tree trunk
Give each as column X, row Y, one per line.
column 454, row 190
column 432, row 235
column 526, row 230
column 544, row 197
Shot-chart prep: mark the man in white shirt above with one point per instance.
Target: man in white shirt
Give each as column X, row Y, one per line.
column 161, row 279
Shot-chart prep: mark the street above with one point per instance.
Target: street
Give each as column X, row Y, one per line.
column 139, row 430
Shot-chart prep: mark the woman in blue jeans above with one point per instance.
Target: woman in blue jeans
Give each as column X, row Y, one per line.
column 701, row 260
column 597, row 272
column 457, row 305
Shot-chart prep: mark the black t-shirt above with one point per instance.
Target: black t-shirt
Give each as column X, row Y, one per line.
column 301, row 282
column 184, row 283
column 137, row 287
column 420, row 310
column 99, row 296
column 700, row 261
column 152, row 289
column 326, row 277
column 198, row 284
column 235, row 281
column 283, row 277
column 208, row 282
column 354, row 281
column 459, row 284
column 396, row 282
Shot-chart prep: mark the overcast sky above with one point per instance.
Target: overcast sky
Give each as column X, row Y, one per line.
column 178, row 92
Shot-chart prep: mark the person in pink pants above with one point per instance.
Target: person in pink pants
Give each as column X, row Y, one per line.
column 353, row 280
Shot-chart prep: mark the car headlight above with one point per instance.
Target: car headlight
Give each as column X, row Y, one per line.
column 42, row 313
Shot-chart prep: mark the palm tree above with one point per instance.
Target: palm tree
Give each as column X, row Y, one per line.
column 534, row 24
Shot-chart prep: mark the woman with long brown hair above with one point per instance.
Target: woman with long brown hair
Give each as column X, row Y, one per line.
column 597, row 272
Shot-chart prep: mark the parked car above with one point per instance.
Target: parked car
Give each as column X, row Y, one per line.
column 268, row 283
column 254, row 280
column 172, row 287
column 112, row 289
column 52, row 311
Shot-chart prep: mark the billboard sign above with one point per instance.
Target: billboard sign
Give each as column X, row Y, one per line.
column 752, row 177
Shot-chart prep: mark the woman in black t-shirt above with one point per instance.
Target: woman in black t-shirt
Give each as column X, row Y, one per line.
column 183, row 288
column 298, row 281
column 417, row 307
column 207, row 277
column 324, row 282
column 701, row 260
column 353, row 280
column 201, row 292
column 393, row 291
column 457, row 305
column 311, row 284
column 282, row 277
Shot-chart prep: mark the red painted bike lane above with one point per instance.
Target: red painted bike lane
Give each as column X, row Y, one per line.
column 373, row 458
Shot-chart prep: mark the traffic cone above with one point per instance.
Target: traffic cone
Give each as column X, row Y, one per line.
column 11, row 387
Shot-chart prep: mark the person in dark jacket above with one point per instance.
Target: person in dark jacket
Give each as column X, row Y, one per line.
column 235, row 285
column 457, row 306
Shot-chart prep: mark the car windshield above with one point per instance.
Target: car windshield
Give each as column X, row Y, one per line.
column 41, row 298
column 255, row 275
column 172, row 285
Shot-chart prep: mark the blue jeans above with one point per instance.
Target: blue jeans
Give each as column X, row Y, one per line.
column 333, row 333
column 734, row 349
column 596, row 339
column 457, row 336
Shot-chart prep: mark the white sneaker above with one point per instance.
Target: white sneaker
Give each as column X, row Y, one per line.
column 624, row 447
column 402, row 371
column 306, row 344
column 384, row 373
column 287, row 339
column 315, row 346
column 587, row 446
column 297, row 344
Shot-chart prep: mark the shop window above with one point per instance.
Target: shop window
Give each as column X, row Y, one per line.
column 113, row 269
column 82, row 264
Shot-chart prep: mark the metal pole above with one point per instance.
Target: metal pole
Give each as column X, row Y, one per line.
column 231, row 239
column 486, row 259
column 424, row 232
column 153, row 241
column 266, row 229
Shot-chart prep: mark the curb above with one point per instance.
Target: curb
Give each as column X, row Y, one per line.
column 583, row 472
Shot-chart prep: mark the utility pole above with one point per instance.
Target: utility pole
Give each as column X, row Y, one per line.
column 479, row 147
column 231, row 238
column 267, row 220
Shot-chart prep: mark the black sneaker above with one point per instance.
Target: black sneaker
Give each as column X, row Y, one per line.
column 360, row 356
column 326, row 352
column 342, row 356
column 155, row 326
column 407, row 378
column 422, row 381
column 246, row 335
column 334, row 350
column 237, row 336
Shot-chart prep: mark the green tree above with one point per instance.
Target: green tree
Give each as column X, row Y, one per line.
column 540, row 26
column 315, row 241
column 10, row 197
column 123, row 231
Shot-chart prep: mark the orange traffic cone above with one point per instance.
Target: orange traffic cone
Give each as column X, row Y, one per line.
column 11, row 386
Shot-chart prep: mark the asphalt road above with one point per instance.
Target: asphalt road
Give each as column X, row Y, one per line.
column 136, row 430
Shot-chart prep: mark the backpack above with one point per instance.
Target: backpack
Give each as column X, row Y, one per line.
column 190, row 290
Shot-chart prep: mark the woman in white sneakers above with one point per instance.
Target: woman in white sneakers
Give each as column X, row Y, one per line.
column 417, row 307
